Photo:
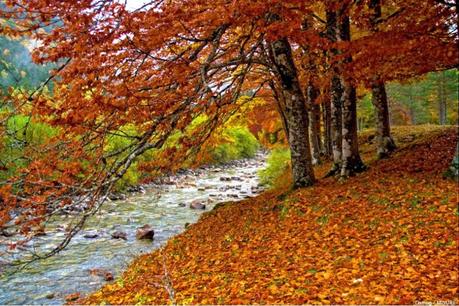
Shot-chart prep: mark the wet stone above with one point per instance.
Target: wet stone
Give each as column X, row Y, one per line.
column 145, row 232
column 91, row 235
column 119, row 235
column 197, row 205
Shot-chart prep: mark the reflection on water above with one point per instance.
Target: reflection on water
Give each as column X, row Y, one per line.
column 47, row 282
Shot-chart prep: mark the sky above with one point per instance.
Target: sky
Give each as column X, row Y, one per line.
column 134, row 4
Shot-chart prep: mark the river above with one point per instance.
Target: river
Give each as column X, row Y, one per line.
column 166, row 207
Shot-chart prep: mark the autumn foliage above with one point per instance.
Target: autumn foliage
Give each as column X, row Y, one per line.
column 387, row 236
column 152, row 88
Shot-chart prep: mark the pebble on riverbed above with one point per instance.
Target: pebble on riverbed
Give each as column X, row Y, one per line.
column 119, row 235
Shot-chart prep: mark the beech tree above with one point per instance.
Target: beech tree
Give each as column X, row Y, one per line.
column 161, row 66
column 379, row 96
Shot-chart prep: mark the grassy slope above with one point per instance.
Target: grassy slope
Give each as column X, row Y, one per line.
column 388, row 235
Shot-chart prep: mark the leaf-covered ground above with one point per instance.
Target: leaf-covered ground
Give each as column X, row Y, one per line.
column 388, row 235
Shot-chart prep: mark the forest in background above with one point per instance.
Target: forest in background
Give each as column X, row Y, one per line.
column 428, row 99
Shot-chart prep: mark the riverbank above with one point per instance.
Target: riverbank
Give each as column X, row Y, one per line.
column 184, row 178
column 104, row 248
column 386, row 236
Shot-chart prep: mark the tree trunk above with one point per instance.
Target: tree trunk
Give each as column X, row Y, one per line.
column 280, row 105
column 453, row 170
column 441, row 99
column 351, row 161
column 312, row 93
column 411, row 107
column 326, row 118
column 379, row 98
column 295, row 114
column 314, row 115
column 336, row 93
column 386, row 144
column 335, row 100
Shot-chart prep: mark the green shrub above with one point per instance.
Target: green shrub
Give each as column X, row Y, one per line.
column 224, row 153
column 26, row 129
column 240, row 143
column 246, row 144
column 117, row 142
column 21, row 131
column 278, row 162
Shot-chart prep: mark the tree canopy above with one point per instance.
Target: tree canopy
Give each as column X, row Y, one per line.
column 160, row 67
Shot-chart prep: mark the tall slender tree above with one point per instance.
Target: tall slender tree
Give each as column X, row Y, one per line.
column 385, row 141
column 296, row 116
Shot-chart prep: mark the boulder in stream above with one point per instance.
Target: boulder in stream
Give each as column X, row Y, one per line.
column 5, row 233
column 91, row 235
column 145, row 232
column 119, row 235
column 117, row 196
column 50, row 295
column 72, row 297
column 39, row 233
column 196, row 204
column 106, row 275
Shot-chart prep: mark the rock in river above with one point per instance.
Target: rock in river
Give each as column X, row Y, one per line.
column 72, row 297
column 106, row 275
column 196, row 204
column 145, row 232
column 91, row 235
column 119, row 235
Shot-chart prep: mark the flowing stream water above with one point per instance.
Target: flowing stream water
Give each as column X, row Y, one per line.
column 166, row 207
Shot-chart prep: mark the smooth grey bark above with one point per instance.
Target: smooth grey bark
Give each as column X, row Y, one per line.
column 411, row 106
column 314, row 119
column 326, row 118
column 295, row 114
column 441, row 99
column 385, row 142
column 351, row 161
column 280, row 105
column 312, row 94
column 336, row 93
column 453, row 170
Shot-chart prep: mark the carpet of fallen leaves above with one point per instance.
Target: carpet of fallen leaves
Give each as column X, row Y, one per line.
column 389, row 235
